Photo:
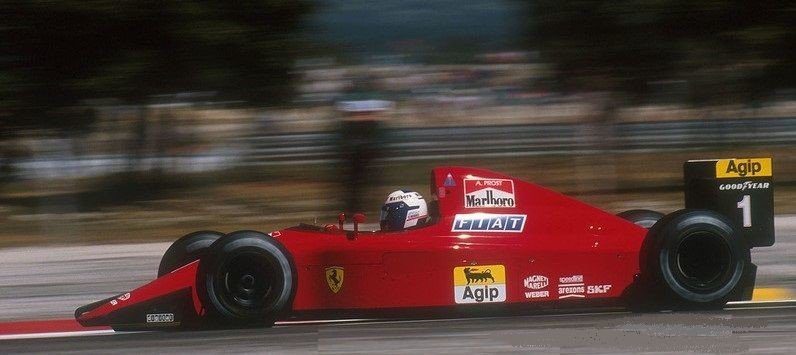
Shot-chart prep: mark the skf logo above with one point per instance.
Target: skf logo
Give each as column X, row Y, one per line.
column 335, row 276
column 732, row 168
column 479, row 284
column 488, row 193
column 487, row 222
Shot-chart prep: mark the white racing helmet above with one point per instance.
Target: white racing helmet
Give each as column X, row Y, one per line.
column 403, row 209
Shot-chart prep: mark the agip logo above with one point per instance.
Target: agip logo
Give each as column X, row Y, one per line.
column 488, row 193
column 479, row 284
column 733, row 168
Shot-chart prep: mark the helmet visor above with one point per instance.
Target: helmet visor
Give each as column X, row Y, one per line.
column 393, row 216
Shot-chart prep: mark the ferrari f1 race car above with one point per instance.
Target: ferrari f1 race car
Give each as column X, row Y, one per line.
column 494, row 244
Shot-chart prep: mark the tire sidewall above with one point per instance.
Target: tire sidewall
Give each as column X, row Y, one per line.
column 211, row 285
column 674, row 230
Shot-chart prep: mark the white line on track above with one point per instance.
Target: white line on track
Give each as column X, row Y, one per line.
column 757, row 308
column 57, row 334
column 433, row 320
column 326, row 321
column 733, row 303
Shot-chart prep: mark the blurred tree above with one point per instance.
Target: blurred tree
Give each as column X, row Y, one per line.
column 724, row 51
column 713, row 51
column 54, row 54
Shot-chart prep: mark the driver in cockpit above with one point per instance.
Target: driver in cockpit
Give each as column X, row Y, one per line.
column 403, row 209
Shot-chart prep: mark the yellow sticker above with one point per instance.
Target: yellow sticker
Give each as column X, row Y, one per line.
column 743, row 167
column 479, row 275
column 479, row 284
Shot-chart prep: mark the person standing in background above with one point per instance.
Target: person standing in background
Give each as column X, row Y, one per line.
column 361, row 142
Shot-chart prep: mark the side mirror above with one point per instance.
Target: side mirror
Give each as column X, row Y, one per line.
column 358, row 218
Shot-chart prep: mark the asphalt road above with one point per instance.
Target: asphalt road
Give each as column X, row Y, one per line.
column 770, row 330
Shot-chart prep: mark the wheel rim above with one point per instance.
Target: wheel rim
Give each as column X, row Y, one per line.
column 249, row 280
column 703, row 262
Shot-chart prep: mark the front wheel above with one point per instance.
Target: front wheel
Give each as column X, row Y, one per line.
column 186, row 249
column 246, row 279
column 694, row 258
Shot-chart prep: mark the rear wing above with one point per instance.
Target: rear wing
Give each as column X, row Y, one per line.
column 739, row 188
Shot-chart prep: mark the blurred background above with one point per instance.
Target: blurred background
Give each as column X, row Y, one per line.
column 124, row 121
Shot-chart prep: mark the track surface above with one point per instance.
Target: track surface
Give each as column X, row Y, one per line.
column 770, row 330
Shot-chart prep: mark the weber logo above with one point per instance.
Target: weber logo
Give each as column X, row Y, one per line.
column 160, row 318
column 536, row 282
column 487, row 222
column 488, row 193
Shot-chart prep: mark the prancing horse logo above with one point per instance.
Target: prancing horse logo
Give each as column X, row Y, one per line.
column 334, row 278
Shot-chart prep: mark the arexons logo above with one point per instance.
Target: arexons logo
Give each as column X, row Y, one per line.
column 479, row 284
column 488, row 193
column 571, row 286
column 755, row 167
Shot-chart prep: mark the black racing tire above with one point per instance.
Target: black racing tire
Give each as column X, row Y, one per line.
column 641, row 218
column 694, row 259
column 186, row 249
column 247, row 278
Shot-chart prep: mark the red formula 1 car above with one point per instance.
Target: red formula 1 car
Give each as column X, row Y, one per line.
column 494, row 244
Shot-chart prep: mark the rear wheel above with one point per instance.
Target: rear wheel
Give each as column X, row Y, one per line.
column 694, row 259
column 246, row 279
column 642, row 218
column 186, row 249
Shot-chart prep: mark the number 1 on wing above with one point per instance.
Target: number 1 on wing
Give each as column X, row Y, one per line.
column 746, row 206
